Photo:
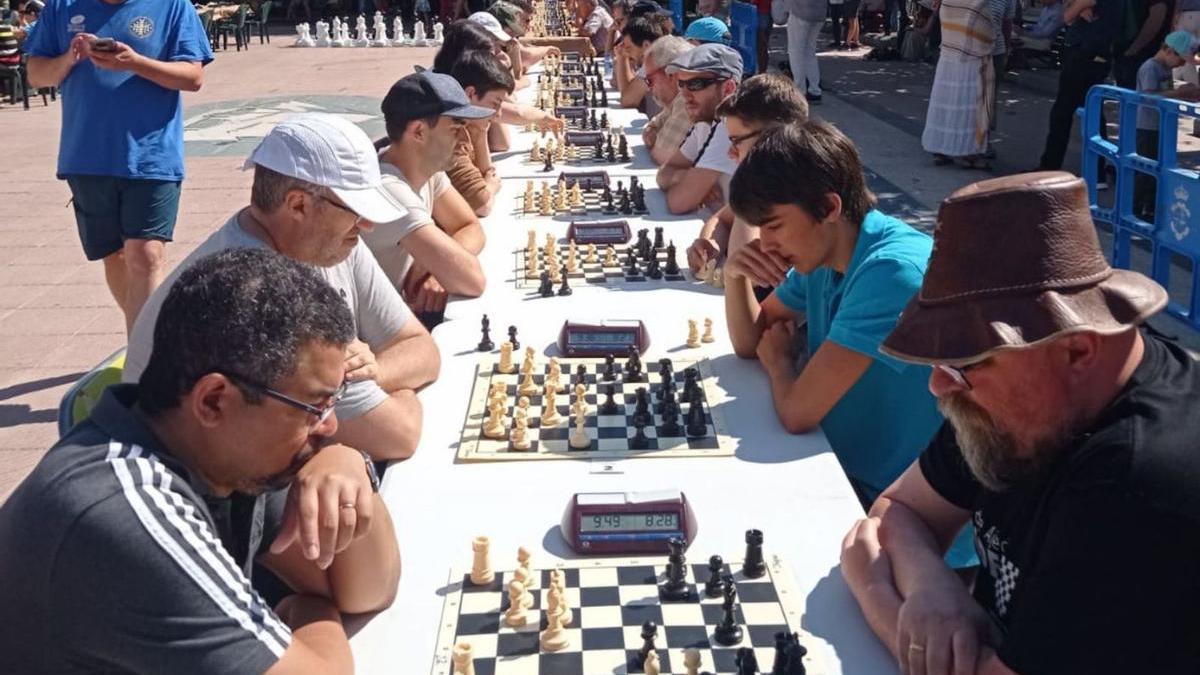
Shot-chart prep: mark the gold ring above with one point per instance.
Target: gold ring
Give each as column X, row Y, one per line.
column 348, row 505
column 916, row 648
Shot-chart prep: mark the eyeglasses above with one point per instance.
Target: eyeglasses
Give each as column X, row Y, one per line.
column 958, row 373
column 700, row 83
column 357, row 218
column 322, row 413
column 737, row 140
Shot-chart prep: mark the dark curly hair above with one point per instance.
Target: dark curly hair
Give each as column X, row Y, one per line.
column 242, row 311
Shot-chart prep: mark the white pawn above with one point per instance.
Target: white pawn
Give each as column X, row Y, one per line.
column 519, row 437
column 514, row 616
column 693, row 338
column 528, row 387
column 464, row 662
column 691, row 661
column 523, row 560
column 650, row 667
column 550, row 416
column 481, row 569
column 708, row 331
column 438, row 30
column 578, row 438
column 591, row 254
column 493, row 427
column 525, row 579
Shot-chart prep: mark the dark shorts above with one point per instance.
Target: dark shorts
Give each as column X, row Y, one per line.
column 110, row 210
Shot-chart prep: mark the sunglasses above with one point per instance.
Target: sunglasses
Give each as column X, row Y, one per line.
column 321, row 413
column 958, row 373
column 700, row 83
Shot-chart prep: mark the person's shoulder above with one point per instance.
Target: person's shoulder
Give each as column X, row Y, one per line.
column 399, row 186
column 894, row 244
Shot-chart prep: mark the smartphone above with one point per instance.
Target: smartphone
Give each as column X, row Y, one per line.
column 104, row 45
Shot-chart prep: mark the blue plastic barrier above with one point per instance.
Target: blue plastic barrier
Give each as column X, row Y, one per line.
column 1176, row 230
column 676, row 7
column 743, row 26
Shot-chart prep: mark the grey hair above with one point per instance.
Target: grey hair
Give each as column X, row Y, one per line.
column 666, row 49
column 270, row 187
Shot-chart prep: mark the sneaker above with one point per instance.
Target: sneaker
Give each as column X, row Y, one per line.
column 813, row 98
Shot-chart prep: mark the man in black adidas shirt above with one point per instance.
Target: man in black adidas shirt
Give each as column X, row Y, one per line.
column 129, row 548
column 1071, row 444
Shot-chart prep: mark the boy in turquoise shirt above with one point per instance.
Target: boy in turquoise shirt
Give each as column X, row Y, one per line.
column 850, row 270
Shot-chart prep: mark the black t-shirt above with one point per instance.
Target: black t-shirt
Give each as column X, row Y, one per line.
column 1141, row 10
column 1097, row 569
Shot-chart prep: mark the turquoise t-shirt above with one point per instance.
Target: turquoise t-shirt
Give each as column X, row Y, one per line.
column 881, row 425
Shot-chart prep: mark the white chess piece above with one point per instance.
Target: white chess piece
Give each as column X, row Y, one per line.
column 514, row 616
column 379, row 32
column 691, row 660
column 651, row 667
column 463, row 659
column 438, row 29
column 397, row 32
column 693, row 338
column 554, row 638
column 323, row 34
column 481, row 569
column 579, row 438
column 419, row 35
column 708, row 331
column 360, row 32
column 303, row 35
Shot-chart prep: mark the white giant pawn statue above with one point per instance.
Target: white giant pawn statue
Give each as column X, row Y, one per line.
column 379, row 36
column 360, row 32
column 323, row 34
column 438, row 29
column 419, row 35
column 303, row 35
column 342, row 37
column 398, row 38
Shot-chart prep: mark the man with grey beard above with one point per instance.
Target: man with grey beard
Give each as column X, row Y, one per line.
column 1070, row 444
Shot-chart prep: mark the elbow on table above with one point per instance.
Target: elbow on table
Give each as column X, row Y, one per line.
column 678, row 204
column 748, row 352
column 799, row 424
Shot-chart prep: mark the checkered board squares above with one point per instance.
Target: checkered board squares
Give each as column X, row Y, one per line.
column 593, row 202
column 610, row 434
column 610, row 599
column 597, row 272
column 584, row 155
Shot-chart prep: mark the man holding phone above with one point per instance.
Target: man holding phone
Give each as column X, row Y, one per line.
column 121, row 65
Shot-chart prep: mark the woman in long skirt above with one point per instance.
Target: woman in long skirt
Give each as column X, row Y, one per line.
column 956, row 124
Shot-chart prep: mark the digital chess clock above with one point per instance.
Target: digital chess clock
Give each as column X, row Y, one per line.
column 627, row 522
column 584, row 138
column 600, row 233
column 601, row 339
column 571, row 112
column 588, row 180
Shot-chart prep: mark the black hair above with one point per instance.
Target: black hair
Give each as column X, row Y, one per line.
column 641, row 30
column 766, row 98
column 483, row 71
column 246, row 312
column 461, row 36
column 800, row 164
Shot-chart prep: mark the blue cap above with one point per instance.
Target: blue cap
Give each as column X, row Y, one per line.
column 708, row 29
column 426, row 94
column 1181, row 42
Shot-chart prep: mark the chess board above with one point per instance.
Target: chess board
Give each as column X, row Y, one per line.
column 596, row 272
column 610, row 599
column 593, row 203
column 610, row 434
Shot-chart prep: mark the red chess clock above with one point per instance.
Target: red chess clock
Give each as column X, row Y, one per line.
column 627, row 522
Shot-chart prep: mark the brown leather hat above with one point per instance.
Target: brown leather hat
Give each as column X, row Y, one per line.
column 1016, row 261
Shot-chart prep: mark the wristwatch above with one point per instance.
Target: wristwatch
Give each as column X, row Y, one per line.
column 372, row 475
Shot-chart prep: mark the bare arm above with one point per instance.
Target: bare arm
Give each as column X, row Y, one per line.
column 454, row 216
column 746, row 318
column 687, row 189
column 803, row 400
column 176, row 75
column 319, row 643
column 1076, row 7
column 410, row 360
column 454, row 267
column 50, row 72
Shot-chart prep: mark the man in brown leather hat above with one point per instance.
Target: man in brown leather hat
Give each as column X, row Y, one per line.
column 1070, row 445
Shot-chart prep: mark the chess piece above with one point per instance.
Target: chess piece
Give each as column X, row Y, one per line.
column 728, row 631
column 672, row 266
column 546, row 288
column 303, row 36
column 485, row 342
column 360, row 32
column 438, row 31
column 514, row 616
column 623, row 149
column 609, row 407
column 579, row 439
column 493, row 427
column 557, row 601
column 746, row 661
column 323, row 39
column 708, row 331
column 697, row 425
column 572, row 261
column 691, row 661
column 535, row 151
column 546, row 205
column 527, row 387
column 650, row 665
column 714, row 587
column 649, row 632
column 554, row 638
column 549, row 161
column 506, row 359
column 481, row 568
column 560, row 199
column 419, row 34
column 676, row 587
column 523, row 405
column 462, row 659
column 565, row 288
column 398, row 37
column 521, row 576
column 524, row 558
column 576, row 195
column 379, row 34
column 610, row 256
column 693, row 338
column 658, row 232
column 590, row 256
column 520, row 437
column 639, row 441
column 550, row 416
column 554, row 374
column 653, row 271
column 512, row 337
column 633, row 366
column 753, row 565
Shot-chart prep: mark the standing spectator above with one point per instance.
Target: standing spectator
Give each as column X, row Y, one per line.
column 1153, row 19
column 1092, row 28
column 850, row 9
column 121, row 68
column 837, row 17
column 1003, row 13
column 956, row 125
column 595, row 22
column 805, row 18
column 26, row 18
column 765, row 24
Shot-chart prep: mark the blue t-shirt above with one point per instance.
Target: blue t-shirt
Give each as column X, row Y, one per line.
column 116, row 123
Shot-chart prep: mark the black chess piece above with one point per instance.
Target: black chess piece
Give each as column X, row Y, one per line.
column 666, row 386
column 696, row 425
column 564, row 288
column 649, row 632
column 641, row 409
column 548, row 164
column 691, row 386
column 485, row 342
column 608, row 201
column 675, row 587
column 652, row 268
column 591, row 121
column 746, row 661
column 581, row 374
column 639, row 200
column 595, row 102
column 728, row 631
column 598, row 150
column 546, row 288
column 644, row 247
column 609, row 407
column 610, row 371
column 609, row 155
column 795, row 657
column 604, row 119
column 631, row 260
column 753, row 565
column 512, row 337
column 783, row 642
column 714, row 587
column 639, row 441
column 623, row 149
column 658, row 238
column 672, row 266
column 670, row 416
column 633, row 367
column 626, row 206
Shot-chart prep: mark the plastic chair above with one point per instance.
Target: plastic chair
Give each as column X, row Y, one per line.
column 237, row 26
column 259, row 25
column 77, row 404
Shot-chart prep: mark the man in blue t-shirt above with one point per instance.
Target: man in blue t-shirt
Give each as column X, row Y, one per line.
column 121, row 65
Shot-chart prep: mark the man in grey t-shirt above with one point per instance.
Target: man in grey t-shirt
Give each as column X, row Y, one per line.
column 316, row 187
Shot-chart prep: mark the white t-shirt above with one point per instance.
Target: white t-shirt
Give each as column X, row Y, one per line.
column 378, row 310
column 387, row 239
column 716, row 154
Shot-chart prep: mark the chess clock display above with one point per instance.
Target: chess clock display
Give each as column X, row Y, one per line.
column 600, row 233
column 602, row 339
column 587, row 180
column 627, row 522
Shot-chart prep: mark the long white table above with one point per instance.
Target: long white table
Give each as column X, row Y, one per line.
column 791, row 487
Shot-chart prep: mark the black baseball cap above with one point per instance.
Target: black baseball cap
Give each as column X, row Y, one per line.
column 426, row 94
column 648, row 7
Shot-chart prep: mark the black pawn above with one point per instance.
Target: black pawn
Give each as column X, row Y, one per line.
column 485, row 342
column 581, row 374
column 649, row 632
column 592, row 120
column 633, row 270
column 670, row 417
column 608, row 201
column 672, row 267
column 633, row 367
column 691, row 386
column 639, row 440
column 641, row 411
column 626, row 207
column 604, row 119
column 564, row 288
column 512, row 337
column 652, row 268
column 610, row 371
column 658, row 238
column 549, row 162
column 609, row 155
column 753, row 565
column 728, row 631
column 598, row 150
column 696, row 426
column 623, row 148
column 609, row 407
column 714, row 587
column 546, row 288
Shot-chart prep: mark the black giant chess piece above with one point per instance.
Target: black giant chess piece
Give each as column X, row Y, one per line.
column 564, row 288
column 675, row 587
column 715, row 587
column 512, row 337
column 753, row 565
column 485, row 342
column 728, row 631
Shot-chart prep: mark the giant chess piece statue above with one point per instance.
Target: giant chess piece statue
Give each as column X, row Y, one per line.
column 419, row 34
column 438, row 29
column 323, row 35
column 399, row 39
column 304, row 36
column 341, row 33
column 379, row 36
column 360, row 32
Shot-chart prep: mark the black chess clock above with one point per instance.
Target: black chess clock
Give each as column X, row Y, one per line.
column 604, row 338
column 627, row 522
column 599, row 232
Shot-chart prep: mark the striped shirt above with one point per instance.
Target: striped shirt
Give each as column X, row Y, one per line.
column 113, row 562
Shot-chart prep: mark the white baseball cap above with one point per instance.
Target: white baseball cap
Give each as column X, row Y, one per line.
column 334, row 153
column 492, row 24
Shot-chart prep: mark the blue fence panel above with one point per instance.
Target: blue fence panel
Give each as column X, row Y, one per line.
column 676, row 7
column 743, row 26
column 1175, row 231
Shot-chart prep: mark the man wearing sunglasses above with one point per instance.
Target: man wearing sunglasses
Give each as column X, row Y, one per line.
column 317, row 188
column 1070, row 444
column 665, row 132
column 130, row 547
column 698, row 172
